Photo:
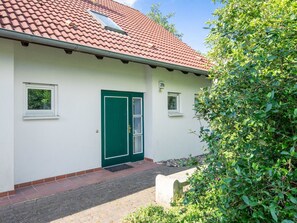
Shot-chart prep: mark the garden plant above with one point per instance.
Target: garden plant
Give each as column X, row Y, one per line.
column 251, row 108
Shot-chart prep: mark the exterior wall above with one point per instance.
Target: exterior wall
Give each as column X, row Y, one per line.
column 47, row 148
column 148, row 115
column 6, row 116
column 171, row 136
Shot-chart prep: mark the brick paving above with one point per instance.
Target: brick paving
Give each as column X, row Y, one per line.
column 106, row 201
column 113, row 211
column 46, row 189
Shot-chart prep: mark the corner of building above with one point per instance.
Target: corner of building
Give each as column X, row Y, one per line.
column 6, row 117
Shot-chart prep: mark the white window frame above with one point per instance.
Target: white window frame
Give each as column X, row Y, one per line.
column 177, row 111
column 41, row 114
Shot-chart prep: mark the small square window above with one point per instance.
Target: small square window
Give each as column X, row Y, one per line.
column 174, row 103
column 40, row 100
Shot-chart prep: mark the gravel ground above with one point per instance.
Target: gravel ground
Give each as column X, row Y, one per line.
column 190, row 161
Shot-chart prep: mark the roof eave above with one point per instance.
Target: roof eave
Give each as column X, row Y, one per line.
column 10, row 34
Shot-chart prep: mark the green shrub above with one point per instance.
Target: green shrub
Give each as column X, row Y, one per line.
column 151, row 214
column 250, row 173
column 252, row 111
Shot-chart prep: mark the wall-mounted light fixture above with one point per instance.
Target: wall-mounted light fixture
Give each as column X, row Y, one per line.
column 161, row 85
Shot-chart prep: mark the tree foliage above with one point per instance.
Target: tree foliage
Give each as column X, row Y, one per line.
column 252, row 111
column 250, row 173
column 156, row 15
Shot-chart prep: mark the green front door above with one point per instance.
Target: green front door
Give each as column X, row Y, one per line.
column 122, row 127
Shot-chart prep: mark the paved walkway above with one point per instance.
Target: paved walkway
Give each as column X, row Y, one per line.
column 113, row 211
column 107, row 201
column 50, row 188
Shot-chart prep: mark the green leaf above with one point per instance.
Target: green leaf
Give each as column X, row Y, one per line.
column 293, row 199
column 227, row 180
column 293, row 17
column 237, row 170
column 271, row 95
column 243, row 206
column 285, row 153
column 281, row 196
column 270, row 172
column 287, row 221
column 271, row 58
column 258, row 214
column 246, row 200
column 262, row 142
column 255, row 166
column 268, row 107
column 272, row 212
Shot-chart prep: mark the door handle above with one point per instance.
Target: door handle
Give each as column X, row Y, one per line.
column 129, row 129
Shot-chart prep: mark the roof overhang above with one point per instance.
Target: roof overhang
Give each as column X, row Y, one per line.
column 29, row 38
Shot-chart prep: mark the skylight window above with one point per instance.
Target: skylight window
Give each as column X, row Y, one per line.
column 107, row 22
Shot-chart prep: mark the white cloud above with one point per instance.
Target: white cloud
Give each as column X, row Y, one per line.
column 127, row 2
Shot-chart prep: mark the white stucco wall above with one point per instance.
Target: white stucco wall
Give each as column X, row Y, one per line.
column 46, row 148
column 172, row 137
column 6, row 116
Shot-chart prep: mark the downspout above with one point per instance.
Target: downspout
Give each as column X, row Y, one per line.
column 10, row 34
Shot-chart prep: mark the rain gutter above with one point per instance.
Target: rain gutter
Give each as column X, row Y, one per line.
column 29, row 38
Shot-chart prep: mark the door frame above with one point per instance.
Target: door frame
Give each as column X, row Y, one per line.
column 131, row 156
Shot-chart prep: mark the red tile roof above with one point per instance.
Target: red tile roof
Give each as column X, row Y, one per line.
column 68, row 20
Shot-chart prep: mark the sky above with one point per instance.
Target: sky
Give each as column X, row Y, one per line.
column 190, row 17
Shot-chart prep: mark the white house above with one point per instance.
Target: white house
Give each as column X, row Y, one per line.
column 88, row 84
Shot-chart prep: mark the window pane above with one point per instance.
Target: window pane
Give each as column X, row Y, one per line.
column 108, row 23
column 137, row 125
column 137, row 144
column 172, row 102
column 39, row 99
column 136, row 106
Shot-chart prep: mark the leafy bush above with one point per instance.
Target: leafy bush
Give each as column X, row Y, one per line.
column 251, row 108
column 151, row 214
column 252, row 111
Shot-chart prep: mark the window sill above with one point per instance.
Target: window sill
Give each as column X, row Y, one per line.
column 41, row 117
column 175, row 114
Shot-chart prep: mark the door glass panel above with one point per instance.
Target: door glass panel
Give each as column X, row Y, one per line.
column 137, row 125
column 137, row 141
column 136, row 106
